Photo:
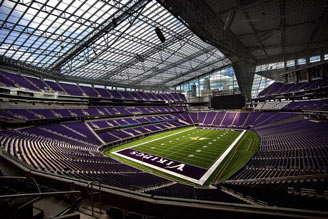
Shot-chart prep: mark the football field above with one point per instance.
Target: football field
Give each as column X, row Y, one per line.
column 192, row 154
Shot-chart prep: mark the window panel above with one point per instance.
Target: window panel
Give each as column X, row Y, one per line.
column 314, row 59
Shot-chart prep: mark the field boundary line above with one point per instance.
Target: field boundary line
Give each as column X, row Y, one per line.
column 206, row 175
column 158, row 168
column 230, row 159
column 249, row 144
column 221, row 158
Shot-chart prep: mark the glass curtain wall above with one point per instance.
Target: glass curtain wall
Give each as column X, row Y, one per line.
column 223, row 82
column 259, row 83
column 220, row 82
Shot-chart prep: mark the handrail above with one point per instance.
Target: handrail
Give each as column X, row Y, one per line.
column 13, row 177
column 23, row 177
column 37, row 185
column 90, row 191
column 42, row 194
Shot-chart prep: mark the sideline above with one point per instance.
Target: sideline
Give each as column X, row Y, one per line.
column 221, row 158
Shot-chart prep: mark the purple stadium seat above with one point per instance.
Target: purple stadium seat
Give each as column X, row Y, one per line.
column 103, row 93
column 89, row 91
column 21, row 81
column 71, row 89
column 54, row 86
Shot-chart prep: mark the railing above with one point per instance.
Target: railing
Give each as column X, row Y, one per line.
column 35, row 195
column 42, row 194
column 183, row 202
column 25, row 178
column 91, row 192
column 160, row 199
column 19, row 177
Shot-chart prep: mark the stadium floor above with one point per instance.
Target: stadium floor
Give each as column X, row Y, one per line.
column 186, row 153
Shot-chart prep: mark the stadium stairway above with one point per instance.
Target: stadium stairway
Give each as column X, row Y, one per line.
column 234, row 118
column 31, row 82
column 223, row 119
column 37, row 114
column 56, row 114
column 292, row 177
column 69, row 128
column 65, row 136
column 248, row 115
column 280, row 194
column 94, row 133
column 241, row 196
column 265, row 119
column 184, row 122
column 85, row 210
column 52, row 206
column 147, row 189
column 259, row 116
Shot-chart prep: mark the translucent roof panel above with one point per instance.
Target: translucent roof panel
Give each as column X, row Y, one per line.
column 108, row 41
column 37, row 32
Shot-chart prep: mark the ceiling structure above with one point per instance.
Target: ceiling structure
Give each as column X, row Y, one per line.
column 108, row 42
column 260, row 31
column 114, row 43
column 253, row 32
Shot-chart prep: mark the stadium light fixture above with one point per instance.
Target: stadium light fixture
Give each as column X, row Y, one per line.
column 160, row 34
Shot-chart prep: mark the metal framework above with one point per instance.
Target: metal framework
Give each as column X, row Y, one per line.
column 106, row 42
column 204, row 21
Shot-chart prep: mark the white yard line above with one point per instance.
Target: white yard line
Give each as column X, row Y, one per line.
column 179, row 146
column 159, row 138
column 218, row 161
column 249, row 144
column 202, row 180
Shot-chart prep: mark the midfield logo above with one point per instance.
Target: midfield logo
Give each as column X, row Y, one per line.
column 197, row 138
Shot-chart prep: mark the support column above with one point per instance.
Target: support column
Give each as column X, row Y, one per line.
column 245, row 75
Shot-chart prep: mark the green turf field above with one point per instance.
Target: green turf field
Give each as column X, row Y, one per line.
column 197, row 147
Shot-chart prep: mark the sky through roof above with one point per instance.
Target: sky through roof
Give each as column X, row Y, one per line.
column 55, row 35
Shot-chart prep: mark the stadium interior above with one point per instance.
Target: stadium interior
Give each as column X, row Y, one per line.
column 158, row 109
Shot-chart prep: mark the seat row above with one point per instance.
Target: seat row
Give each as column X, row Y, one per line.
column 35, row 84
column 110, row 111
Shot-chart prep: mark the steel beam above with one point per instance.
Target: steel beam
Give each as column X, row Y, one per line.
column 208, row 64
column 294, row 55
column 42, row 194
column 104, row 28
column 205, row 74
column 203, row 21
column 318, row 28
column 155, row 49
column 255, row 34
column 283, row 28
column 175, row 64
column 313, row 44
